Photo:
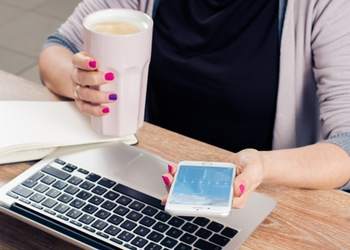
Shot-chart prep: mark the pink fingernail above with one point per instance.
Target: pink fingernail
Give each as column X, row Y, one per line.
column 92, row 64
column 105, row 110
column 170, row 168
column 166, row 180
column 242, row 188
column 109, row 76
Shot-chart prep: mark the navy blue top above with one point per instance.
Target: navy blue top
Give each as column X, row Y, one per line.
column 214, row 71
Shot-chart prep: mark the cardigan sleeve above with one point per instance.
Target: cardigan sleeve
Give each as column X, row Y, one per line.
column 331, row 65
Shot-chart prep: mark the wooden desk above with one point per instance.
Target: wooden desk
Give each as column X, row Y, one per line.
column 303, row 219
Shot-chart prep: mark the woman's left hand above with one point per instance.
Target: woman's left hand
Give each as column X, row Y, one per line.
column 250, row 174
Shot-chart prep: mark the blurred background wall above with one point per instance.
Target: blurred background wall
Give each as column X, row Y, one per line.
column 24, row 25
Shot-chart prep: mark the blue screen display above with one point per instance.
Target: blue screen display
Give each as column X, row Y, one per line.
column 207, row 186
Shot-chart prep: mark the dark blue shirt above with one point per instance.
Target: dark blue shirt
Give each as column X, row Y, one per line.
column 214, row 71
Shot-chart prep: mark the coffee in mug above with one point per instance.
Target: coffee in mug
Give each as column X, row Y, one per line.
column 121, row 41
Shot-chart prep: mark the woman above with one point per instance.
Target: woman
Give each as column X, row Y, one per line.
column 270, row 75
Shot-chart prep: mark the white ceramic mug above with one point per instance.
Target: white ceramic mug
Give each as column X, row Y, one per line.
column 128, row 57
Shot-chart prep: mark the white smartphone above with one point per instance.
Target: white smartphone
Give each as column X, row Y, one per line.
column 202, row 189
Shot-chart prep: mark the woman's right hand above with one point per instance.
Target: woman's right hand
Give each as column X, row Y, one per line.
column 86, row 81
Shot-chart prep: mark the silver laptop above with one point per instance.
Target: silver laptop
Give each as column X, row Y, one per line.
column 109, row 198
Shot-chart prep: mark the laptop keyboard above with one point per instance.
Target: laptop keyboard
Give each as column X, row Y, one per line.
column 115, row 212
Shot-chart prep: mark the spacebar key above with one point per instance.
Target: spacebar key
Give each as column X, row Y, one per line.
column 56, row 172
column 139, row 196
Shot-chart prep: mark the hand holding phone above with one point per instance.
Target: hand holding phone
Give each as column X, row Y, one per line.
column 202, row 188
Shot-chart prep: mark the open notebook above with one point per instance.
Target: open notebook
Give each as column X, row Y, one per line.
column 32, row 130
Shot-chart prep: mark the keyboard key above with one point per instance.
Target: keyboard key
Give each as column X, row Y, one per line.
column 87, row 185
column 174, row 232
column 205, row 245
column 73, row 213
column 139, row 242
column 219, row 240
column 49, row 203
column 36, row 206
column 90, row 229
column 24, row 200
column 69, row 168
column 128, row 225
column 56, row 172
column 214, row 226
column 189, row 227
column 84, row 195
column 29, row 183
column 77, row 203
column 136, row 205
column 203, row 233
column 102, row 214
column 112, row 230
column 121, row 210
column 110, row 195
column 102, row 235
column 71, row 190
column 168, row 242
column 99, row 190
column 65, row 198
column 53, row 193
column 188, row 238
column 48, row 180
column 59, row 161
column 62, row 217
column 142, row 231
column 59, row 185
column 153, row 246
column 90, row 209
column 150, row 211
column 200, row 221
column 134, row 216
column 108, row 205
column 155, row 236
column 124, row 200
column 160, row 227
column 188, row 218
column 99, row 224
column 41, row 188
column 35, row 177
column 116, row 241
column 176, row 222
column 229, row 232
column 163, row 216
column 37, row 198
column 183, row 246
column 61, row 208
column 126, row 236
column 106, row 182
column 130, row 247
column 147, row 221
column 147, row 199
column 83, row 171
column 115, row 219
column 75, row 180
column 78, row 224
column 93, row 177
column 96, row 200
column 86, row 219
column 12, row 195
column 49, row 211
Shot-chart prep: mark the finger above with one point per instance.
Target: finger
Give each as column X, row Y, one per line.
column 171, row 169
column 240, row 202
column 164, row 199
column 83, row 61
column 95, row 78
column 91, row 109
column 95, row 96
column 167, row 180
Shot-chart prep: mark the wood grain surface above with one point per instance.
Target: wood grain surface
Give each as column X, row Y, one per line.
column 303, row 219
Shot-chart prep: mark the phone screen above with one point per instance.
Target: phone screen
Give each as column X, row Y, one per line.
column 207, row 186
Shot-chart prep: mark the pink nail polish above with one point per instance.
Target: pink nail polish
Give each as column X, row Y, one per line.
column 242, row 188
column 105, row 110
column 166, row 180
column 109, row 76
column 92, row 64
column 170, row 168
